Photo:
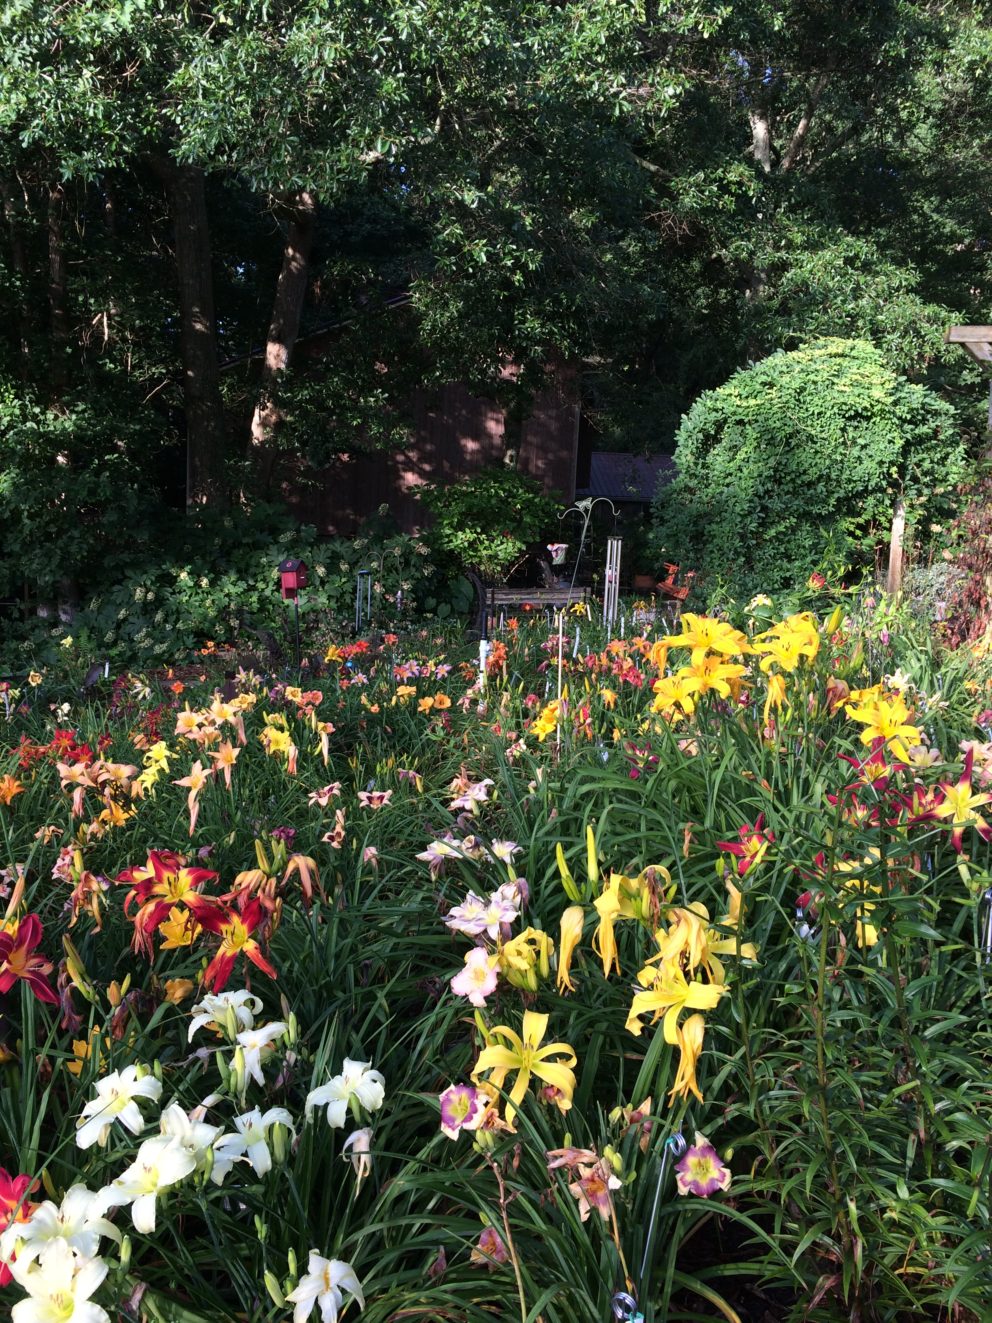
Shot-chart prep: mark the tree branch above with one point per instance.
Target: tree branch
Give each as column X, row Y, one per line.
column 802, row 128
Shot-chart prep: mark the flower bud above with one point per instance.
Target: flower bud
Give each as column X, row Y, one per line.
column 592, row 859
column 230, row 1023
column 237, row 1079
column 567, row 881
column 278, row 1138
column 261, row 1230
column 208, row 1165
column 291, row 1261
column 274, row 1289
column 125, row 1253
column 157, row 1069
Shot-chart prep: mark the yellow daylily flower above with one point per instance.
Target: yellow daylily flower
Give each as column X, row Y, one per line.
column 572, row 920
column 526, row 959
column 668, row 994
column 703, row 634
column 690, row 1037
column 527, row 1057
column 671, row 693
column 887, row 719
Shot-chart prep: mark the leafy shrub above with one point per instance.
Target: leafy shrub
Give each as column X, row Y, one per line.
column 487, row 522
column 803, row 455
column 77, row 490
column 216, row 579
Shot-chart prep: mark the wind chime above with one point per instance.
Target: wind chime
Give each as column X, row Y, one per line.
column 611, row 581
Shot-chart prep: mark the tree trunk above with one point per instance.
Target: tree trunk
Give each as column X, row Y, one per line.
column 12, row 212
column 205, row 427
column 284, row 326
column 58, row 311
column 761, row 137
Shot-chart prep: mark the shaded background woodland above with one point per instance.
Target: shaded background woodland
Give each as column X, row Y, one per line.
column 239, row 239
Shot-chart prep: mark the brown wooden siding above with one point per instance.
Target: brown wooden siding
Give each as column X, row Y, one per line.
column 455, row 435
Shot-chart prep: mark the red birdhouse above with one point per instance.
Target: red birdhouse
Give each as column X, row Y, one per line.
column 292, row 577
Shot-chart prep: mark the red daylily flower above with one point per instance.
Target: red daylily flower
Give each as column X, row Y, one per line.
column 14, row 1207
column 18, row 961
column 162, row 882
column 957, row 802
column 752, row 846
column 235, row 928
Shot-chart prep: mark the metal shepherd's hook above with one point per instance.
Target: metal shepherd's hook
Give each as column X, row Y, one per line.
column 584, row 508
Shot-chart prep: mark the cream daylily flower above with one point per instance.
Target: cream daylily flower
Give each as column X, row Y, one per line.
column 78, row 1221
column 116, row 1093
column 355, row 1081
column 324, row 1284
column 160, row 1163
column 59, row 1287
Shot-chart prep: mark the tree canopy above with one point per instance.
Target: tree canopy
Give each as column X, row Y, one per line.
column 196, row 193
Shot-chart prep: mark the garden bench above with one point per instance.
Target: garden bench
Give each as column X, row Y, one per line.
column 492, row 600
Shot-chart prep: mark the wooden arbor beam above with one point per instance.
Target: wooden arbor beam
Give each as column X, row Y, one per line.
column 974, row 340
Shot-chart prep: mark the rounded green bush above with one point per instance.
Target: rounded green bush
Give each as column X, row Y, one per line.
column 796, row 463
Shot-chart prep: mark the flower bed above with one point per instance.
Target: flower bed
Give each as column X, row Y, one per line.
column 447, row 996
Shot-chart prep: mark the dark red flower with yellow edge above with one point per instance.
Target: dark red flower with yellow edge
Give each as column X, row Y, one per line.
column 18, row 960
column 752, row 846
column 157, row 886
column 235, row 928
column 14, row 1207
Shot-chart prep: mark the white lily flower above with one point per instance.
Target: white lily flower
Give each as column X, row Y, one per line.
column 59, row 1287
column 78, row 1220
column 115, row 1102
column 193, row 1136
column 258, row 1043
column 160, row 1162
column 355, row 1081
column 360, row 1143
column 253, row 1131
column 214, row 1007
column 228, row 1150
column 322, row 1285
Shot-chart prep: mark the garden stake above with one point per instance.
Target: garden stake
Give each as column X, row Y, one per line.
column 675, row 1143
column 363, row 611
column 561, row 644
column 575, row 650
column 987, row 926
column 483, row 658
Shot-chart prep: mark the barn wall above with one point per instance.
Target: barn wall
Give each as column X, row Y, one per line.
column 455, row 434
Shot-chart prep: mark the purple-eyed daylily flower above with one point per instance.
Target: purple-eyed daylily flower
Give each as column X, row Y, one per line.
column 462, row 1108
column 374, row 799
column 700, row 1171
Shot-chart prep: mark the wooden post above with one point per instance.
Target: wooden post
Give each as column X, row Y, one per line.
column 893, row 584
